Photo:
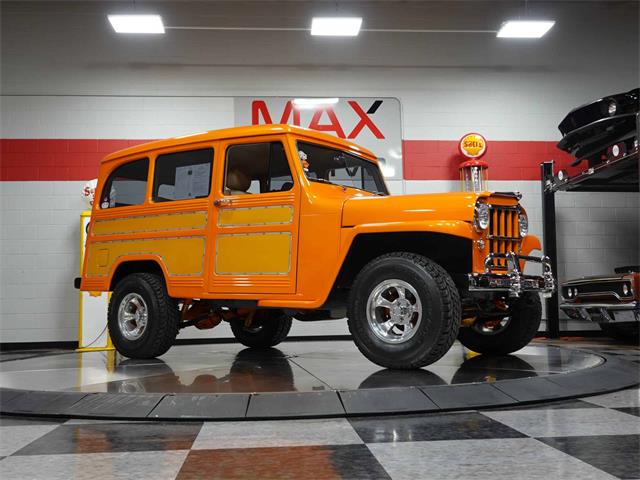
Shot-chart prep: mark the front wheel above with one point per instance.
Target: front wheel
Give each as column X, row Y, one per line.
column 501, row 336
column 267, row 329
column 142, row 318
column 404, row 311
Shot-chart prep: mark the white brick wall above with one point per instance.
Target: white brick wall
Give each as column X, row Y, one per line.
column 596, row 232
column 112, row 117
column 38, row 260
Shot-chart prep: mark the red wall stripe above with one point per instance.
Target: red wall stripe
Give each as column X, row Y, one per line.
column 508, row 160
column 55, row 159
column 78, row 159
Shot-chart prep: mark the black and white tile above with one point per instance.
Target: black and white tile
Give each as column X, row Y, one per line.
column 595, row 437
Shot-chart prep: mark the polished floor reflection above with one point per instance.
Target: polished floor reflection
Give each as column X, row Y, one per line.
column 596, row 437
column 292, row 367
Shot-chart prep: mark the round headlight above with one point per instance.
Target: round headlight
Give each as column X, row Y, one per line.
column 523, row 224
column 483, row 214
column 625, row 289
column 615, row 150
column 611, row 109
column 569, row 292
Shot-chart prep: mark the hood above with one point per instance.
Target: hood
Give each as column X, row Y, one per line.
column 407, row 208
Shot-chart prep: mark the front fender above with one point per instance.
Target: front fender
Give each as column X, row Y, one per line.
column 455, row 228
column 529, row 244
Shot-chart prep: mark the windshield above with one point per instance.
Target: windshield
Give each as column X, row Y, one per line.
column 330, row 165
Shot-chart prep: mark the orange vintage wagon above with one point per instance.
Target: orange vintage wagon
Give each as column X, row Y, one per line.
column 257, row 225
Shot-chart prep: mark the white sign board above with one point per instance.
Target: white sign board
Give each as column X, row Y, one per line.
column 192, row 181
column 372, row 122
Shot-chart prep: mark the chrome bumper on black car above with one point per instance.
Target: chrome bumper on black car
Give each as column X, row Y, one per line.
column 510, row 277
column 603, row 312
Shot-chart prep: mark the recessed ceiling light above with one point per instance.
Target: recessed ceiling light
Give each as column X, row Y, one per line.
column 136, row 23
column 524, row 28
column 336, row 26
column 314, row 102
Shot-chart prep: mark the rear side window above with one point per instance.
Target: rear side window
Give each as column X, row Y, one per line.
column 183, row 175
column 257, row 168
column 127, row 185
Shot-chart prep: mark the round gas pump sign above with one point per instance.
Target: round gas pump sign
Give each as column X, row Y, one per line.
column 472, row 145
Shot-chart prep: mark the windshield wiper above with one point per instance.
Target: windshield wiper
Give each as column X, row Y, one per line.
column 321, row 180
column 375, row 192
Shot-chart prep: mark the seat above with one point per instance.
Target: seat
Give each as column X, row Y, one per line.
column 237, row 182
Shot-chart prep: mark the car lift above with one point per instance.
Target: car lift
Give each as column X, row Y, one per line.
column 618, row 175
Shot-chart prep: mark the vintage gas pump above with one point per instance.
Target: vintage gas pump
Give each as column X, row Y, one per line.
column 473, row 171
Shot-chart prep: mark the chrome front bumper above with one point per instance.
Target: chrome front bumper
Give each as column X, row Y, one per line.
column 511, row 279
column 603, row 312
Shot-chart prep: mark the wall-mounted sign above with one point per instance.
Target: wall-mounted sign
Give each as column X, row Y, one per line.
column 472, row 145
column 374, row 123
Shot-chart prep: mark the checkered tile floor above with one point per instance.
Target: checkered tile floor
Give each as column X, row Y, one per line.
column 591, row 438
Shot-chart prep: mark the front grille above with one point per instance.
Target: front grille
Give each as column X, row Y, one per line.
column 602, row 288
column 504, row 232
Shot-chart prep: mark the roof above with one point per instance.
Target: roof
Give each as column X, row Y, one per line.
column 238, row 132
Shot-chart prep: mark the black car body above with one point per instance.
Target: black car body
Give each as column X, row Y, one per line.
column 613, row 301
column 602, row 130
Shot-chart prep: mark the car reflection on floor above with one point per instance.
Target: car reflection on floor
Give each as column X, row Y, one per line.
column 251, row 371
column 271, row 370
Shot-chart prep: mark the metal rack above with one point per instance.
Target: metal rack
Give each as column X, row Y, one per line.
column 619, row 175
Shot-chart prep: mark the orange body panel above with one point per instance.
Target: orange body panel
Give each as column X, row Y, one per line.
column 310, row 227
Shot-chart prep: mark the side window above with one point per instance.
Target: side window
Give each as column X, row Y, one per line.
column 257, row 168
column 127, row 185
column 182, row 175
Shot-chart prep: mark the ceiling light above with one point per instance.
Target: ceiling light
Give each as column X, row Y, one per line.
column 336, row 26
column 137, row 23
column 524, row 29
column 314, row 102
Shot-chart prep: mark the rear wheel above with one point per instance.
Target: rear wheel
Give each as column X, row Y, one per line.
column 142, row 318
column 504, row 335
column 404, row 311
column 267, row 329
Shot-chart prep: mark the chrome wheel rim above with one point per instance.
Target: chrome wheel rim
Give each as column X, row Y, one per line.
column 394, row 311
column 132, row 316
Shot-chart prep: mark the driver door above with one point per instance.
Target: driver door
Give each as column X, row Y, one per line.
column 256, row 233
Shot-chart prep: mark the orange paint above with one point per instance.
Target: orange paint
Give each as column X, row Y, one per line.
column 325, row 221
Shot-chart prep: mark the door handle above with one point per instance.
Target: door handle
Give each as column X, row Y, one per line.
column 222, row 202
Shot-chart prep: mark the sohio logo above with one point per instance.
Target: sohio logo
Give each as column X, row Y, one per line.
column 373, row 123
column 291, row 115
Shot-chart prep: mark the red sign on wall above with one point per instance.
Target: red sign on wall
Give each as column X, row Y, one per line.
column 374, row 123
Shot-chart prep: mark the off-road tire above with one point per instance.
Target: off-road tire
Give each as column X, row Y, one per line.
column 526, row 313
column 268, row 329
column 163, row 316
column 628, row 332
column 441, row 312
